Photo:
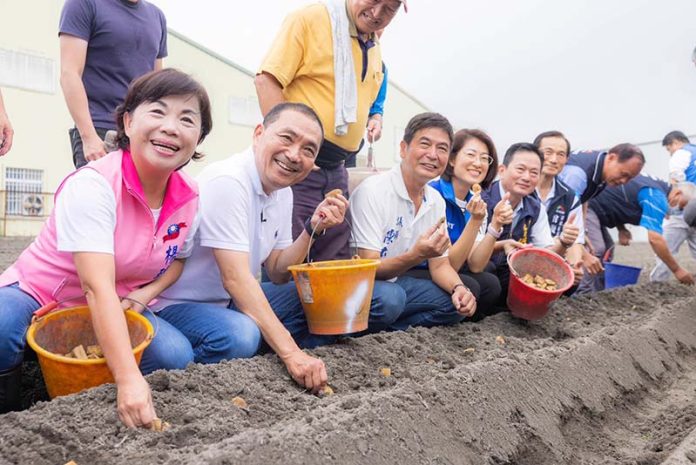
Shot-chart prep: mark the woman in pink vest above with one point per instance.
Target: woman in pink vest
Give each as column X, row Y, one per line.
column 116, row 230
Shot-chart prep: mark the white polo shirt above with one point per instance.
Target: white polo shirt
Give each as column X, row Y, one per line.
column 235, row 214
column 384, row 217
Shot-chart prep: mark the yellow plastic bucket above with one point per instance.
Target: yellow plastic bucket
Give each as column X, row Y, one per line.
column 336, row 294
column 60, row 331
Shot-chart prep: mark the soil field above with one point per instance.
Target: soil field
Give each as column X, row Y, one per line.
column 603, row 379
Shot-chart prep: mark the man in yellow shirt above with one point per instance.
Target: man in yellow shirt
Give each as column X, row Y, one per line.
column 304, row 65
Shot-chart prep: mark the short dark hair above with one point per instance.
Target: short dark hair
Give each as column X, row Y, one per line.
column 544, row 135
column 460, row 138
column 273, row 115
column 627, row 152
column 426, row 121
column 674, row 136
column 521, row 147
column 154, row 86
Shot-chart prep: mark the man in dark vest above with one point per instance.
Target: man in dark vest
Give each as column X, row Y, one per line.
column 588, row 173
column 643, row 202
column 560, row 200
column 682, row 168
column 519, row 175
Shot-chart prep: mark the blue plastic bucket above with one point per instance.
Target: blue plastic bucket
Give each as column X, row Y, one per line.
column 616, row 275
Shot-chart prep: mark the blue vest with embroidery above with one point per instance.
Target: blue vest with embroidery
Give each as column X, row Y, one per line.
column 592, row 163
column 521, row 227
column 690, row 171
column 618, row 205
column 560, row 207
column 456, row 219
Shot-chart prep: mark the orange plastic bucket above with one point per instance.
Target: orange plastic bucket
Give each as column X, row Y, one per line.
column 60, row 331
column 526, row 301
column 336, row 294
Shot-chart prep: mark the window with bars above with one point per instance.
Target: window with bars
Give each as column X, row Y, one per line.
column 27, row 71
column 24, row 192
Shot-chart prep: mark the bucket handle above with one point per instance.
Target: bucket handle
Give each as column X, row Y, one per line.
column 608, row 253
column 49, row 307
column 352, row 240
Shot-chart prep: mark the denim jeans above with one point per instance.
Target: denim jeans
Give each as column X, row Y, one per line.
column 169, row 349
column 424, row 303
column 16, row 309
column 201, row 333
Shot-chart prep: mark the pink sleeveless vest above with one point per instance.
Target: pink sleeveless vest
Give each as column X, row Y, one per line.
column 143, row 250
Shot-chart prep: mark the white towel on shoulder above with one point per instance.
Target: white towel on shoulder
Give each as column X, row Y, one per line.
column 346, row 99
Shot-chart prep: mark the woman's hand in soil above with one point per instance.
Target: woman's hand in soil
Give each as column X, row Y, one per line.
column 306, row 370
column 134, row 402
column 477, row 207
column 464, row 301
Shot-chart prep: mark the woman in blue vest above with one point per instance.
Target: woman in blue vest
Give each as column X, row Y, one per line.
column 473, row 160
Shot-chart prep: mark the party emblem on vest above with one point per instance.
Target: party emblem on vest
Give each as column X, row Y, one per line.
column 173, row 231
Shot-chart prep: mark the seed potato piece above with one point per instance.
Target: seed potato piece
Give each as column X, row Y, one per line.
column 333, row 193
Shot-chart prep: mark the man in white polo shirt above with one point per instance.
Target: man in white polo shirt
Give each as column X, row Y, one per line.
column 397, row 218
column 245, row 223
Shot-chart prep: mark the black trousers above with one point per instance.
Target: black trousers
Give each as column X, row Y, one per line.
column 485, row 287
column 78, row 152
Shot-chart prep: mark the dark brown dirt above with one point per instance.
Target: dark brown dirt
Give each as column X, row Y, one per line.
column 605, row 379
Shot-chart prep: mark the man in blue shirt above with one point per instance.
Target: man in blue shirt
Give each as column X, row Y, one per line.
column 588, row 173
column 103, row 47
column 643, row 202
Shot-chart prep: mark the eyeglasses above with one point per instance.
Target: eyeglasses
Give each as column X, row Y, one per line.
column 473, row 155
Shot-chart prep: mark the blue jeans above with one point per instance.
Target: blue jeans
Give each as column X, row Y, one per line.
column 425, row 303
column 16, row 309
column 201, row 333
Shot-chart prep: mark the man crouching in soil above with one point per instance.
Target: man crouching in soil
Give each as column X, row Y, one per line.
column 397, row 218
column 246, row 223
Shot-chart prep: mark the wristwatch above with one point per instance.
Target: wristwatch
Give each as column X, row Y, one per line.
column 308, row 227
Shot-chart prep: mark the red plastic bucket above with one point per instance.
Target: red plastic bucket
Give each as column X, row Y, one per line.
column 528, row 302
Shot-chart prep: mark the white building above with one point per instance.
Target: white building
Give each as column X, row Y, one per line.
column 41, row 155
